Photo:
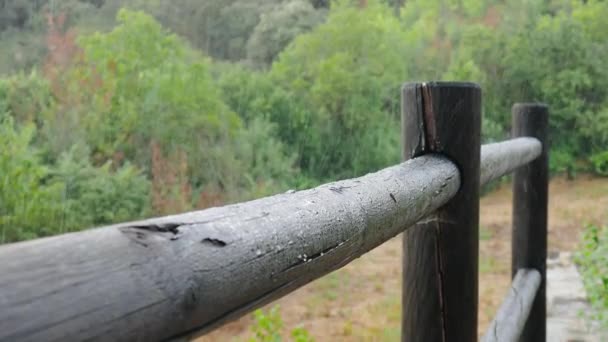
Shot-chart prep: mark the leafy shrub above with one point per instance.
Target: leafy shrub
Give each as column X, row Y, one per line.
column 562, row 162
column 154, row 88
column 549, row 54
column 255, row 96
column 28, row 204
column 279, row 27
column 593, row 262
column 600, row 163
column 269, row 167
column 95, row 196
column 38, row 200
column 300, row 334
column 25, row 96
column 267, row 328
column 347, row 81
column 149, row 85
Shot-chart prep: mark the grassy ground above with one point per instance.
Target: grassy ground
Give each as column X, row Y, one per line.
column 361, row 302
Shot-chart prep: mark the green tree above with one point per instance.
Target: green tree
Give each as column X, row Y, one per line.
column 149, row 88
column 28, row 205
column 544, row 51
column 279, row 27
column 348, row 81
column 94, row 196
column 254, row 96
column 38, row 200
column 25, row 96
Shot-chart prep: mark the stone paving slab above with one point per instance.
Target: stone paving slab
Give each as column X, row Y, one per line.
column 567, row 304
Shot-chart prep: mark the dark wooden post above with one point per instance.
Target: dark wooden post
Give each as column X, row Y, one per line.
column 440, row 260
column 530, row 200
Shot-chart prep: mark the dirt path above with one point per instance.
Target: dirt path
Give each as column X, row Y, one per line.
column 361, row 302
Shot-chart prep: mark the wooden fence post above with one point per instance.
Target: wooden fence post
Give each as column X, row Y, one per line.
column 440, row 253
column 530, row 201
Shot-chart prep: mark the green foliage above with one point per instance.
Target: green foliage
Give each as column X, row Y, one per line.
column 268, row 164
column 30, row 99
column 346, row 80
column 38, row 200
column 131, row 89
column 25, row 96
column 225, row 29
column 563, row 162
column 235, row 30
column 278, row 28
column 268, row 326
column 151, row 88
column 600, row 163
column 562, row 71
column 254, row 97
column 154, row 88
column 22, row 46
column 96, row 196
column 550, row 54
column 253, row 94
column 300, row 334
column 593, row 262
column 24, row 29
column 28, row 205
column 313, row 98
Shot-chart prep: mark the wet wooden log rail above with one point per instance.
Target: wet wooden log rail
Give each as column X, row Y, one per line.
column 180, row 276
column 513, row 314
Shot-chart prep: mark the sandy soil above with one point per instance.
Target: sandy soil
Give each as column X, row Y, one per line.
column 361, row 302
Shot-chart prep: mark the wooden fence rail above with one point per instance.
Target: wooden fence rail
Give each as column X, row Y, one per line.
column 183, row 275
column 513, row 314
column 499, row 159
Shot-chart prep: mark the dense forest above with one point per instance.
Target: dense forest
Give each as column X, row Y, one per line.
column 112, row 110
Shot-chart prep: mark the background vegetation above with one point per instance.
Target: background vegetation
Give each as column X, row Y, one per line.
column 192, row 104
column 593, row 262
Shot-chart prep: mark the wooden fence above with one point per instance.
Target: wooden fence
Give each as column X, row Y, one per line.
column 180, row 276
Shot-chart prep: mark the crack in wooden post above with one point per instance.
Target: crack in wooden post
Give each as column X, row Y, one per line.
column 430, row 129
column 440, row 279
column 440, row 254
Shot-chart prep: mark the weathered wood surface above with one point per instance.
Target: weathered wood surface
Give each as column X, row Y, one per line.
column 440, row 254
column 511, row 318
column 179, row 275
column 499, row 159
column 530, row 205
